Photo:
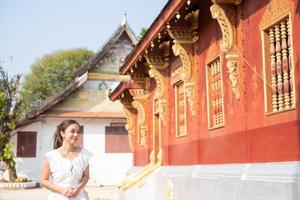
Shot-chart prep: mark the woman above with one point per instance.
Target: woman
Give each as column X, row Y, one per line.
column 65, row 170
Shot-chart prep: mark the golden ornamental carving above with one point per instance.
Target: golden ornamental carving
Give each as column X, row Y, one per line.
column 275, row 10
column 156, row 61
column 141, row 112
column 154, row 73
column 142, row 128
column 186, row 35
column 179, row 50
column 190, row 95
column 165, row 47
column 162, row 109
column 159, row 58
column 143, row 135
column 128, row 127
column 232, row 66
column 226, row 27
column 192, row 18
column 139, row 93
column 170, row 190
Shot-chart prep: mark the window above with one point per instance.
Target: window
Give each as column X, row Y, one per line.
column 26, row 144
column 278, row 65
column 215, row 94
column 116, row 139
column 180, row 109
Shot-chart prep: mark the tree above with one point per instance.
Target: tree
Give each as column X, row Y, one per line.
column 9, row 111
column 142, row 33
column 51, row 74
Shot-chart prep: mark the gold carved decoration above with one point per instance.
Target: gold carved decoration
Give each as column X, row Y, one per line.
column 179, row 50
column 186, row 35
column 160, row 104
column 160, row 59
column 141, row 122
column 190, row 95
column 162, row 110
column 192, row 18
column 275, row 10
column 219, row 14
column 154, row 73
column 128, row 127
column 232, row 66
column 170, row 190
column 139, row 93
column 165, row 47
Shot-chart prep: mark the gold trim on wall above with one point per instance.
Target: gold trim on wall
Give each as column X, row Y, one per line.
column 232, row 66
column 179, row 132
column 142, row 128
column 276, row 10
column 128, row 127
column 180, row 51
column 219, row 14
column 190, row 95
column 154, row 73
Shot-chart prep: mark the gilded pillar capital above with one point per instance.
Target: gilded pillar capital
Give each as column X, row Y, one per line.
column 186, row 35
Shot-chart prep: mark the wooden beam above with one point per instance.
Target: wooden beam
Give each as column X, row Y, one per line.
column 108, row 77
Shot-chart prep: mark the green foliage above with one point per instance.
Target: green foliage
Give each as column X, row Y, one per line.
column 102, row 85
column 9, row 112
column 142, row 33
column 7, row 155
column 51, row 74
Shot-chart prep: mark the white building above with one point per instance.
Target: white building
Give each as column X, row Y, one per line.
column 86, row 101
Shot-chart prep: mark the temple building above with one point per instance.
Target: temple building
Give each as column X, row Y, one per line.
column 85, row 100
column 212, row 105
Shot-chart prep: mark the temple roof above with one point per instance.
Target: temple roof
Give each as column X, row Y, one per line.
column 82, row 75
column 123, row 28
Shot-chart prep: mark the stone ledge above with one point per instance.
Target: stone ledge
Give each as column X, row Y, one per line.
column 17, row 186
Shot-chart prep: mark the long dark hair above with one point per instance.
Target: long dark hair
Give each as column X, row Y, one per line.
column 57, row 138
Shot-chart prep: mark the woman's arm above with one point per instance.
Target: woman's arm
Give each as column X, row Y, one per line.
column 84, row 180
column 47, row 184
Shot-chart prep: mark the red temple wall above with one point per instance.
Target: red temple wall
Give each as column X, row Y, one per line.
column 249, row 135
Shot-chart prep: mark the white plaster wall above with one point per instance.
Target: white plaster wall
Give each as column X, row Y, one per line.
column 261, row 181
column 105, row 169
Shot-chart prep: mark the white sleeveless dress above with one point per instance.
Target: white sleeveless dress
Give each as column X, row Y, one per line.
column 67, row 173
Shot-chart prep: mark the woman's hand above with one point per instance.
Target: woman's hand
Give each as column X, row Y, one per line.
column 75, row 191
column 67, row 192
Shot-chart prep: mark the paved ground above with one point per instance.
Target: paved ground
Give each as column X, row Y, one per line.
column 94, row 193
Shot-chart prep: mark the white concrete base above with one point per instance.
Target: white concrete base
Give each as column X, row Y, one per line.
column 17, row 185
column 266, row 181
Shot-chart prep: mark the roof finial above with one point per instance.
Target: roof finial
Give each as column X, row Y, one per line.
column 124, row 21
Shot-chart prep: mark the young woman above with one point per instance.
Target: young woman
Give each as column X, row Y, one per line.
column 65, row 169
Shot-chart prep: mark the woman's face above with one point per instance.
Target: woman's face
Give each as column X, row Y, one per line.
column 70, row 135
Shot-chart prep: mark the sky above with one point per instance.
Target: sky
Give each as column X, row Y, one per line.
column 31, row 28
